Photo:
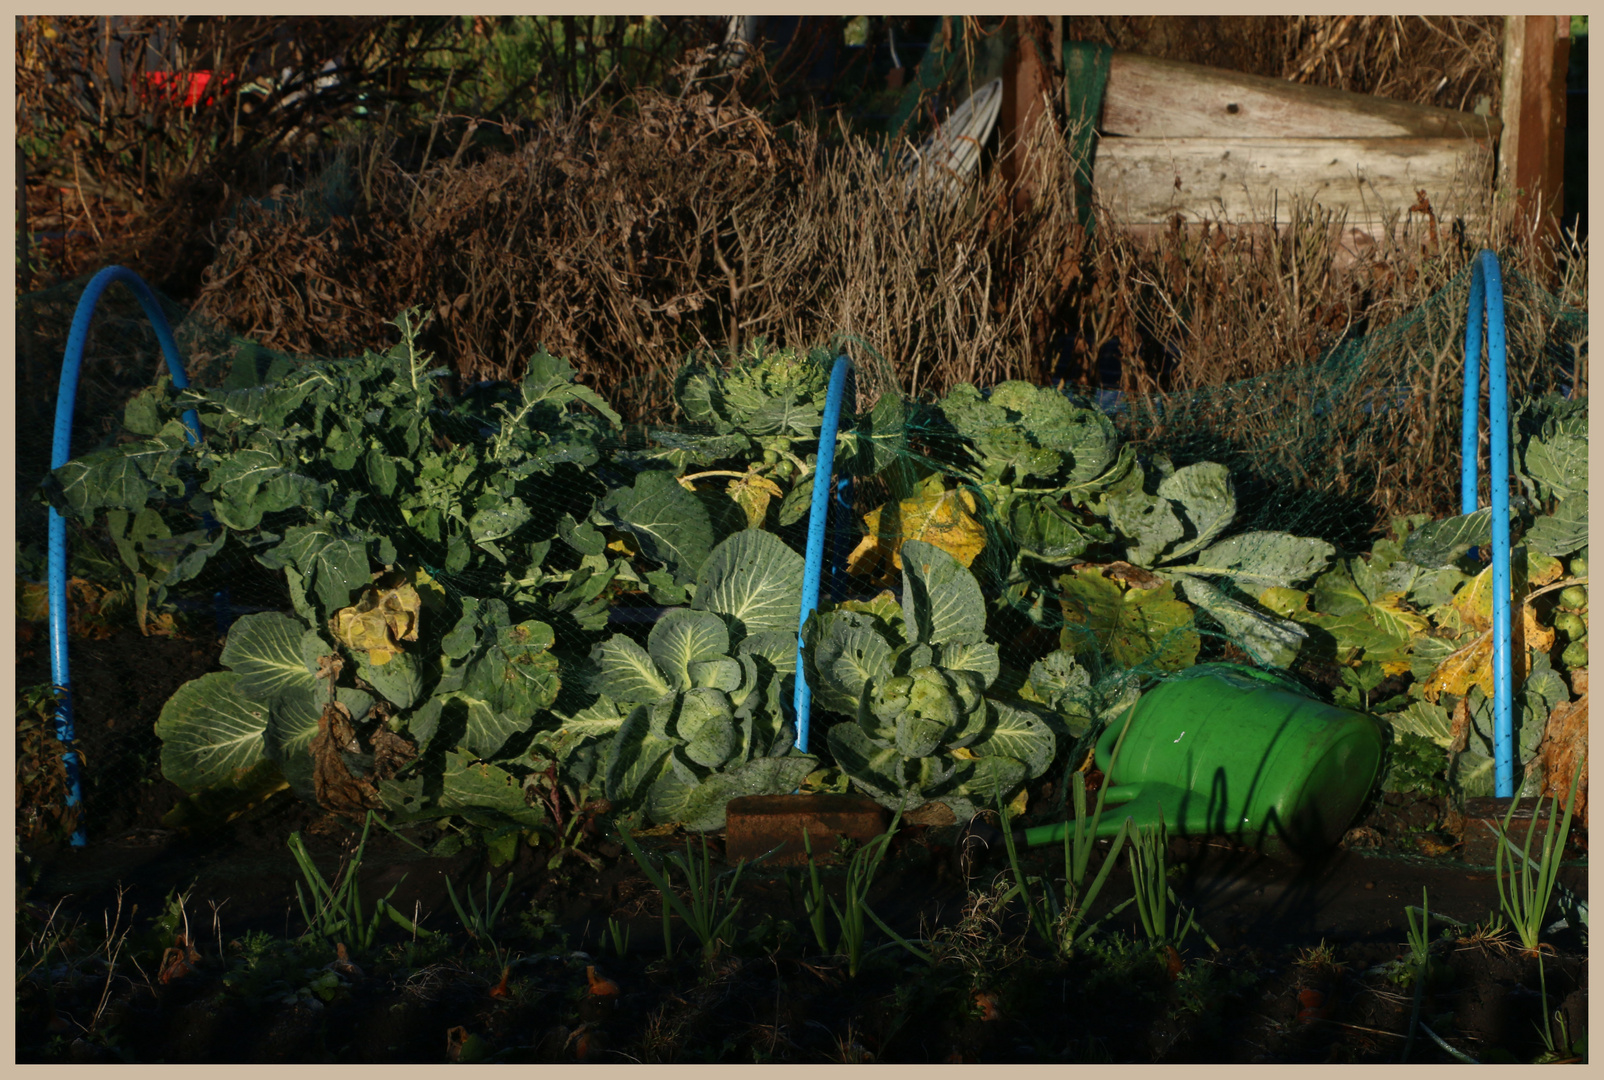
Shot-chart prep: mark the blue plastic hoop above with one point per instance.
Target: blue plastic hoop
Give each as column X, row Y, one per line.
column 818, row 516
column 60, row 454
column 1487, row 305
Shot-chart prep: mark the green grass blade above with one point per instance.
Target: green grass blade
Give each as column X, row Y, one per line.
column 896, row 937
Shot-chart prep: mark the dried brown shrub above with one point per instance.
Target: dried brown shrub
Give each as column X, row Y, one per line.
column 142, row 172
column 628, row 239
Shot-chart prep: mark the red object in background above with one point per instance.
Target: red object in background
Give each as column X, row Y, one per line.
column 186, row 88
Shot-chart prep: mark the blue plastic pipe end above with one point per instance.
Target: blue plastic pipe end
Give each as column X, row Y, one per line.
column 1470, row 421
column 818, row 515
column 60, row 454
column 1487, row 309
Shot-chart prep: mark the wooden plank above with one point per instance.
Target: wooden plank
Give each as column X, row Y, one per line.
column 1151, row 180
column 1149, row 97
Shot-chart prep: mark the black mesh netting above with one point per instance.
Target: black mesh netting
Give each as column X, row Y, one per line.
column 499, row 604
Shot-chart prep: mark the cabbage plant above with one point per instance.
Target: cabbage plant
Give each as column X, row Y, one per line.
column 912, row 678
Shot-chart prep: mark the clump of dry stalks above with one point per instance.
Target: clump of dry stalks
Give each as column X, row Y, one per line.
column 1321, row 366
column 627, row 239
column 123, row 168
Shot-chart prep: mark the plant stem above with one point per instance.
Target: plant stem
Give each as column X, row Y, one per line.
column 1459, row 1055
column 814, row 901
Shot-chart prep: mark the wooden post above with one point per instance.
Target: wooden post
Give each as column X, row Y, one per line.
column 1531, row 151
column 1029, row 77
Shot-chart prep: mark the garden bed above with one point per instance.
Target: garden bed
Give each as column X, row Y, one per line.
column 1308, row 968
column 434, row 596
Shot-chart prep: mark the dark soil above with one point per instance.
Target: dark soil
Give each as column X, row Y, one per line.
column 1306, row 968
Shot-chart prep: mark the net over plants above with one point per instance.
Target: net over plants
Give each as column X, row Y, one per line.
column 494, row 606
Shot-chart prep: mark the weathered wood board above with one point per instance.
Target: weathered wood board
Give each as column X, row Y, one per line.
column 1207, row 144
column 1149, row 97
column 1151, row 180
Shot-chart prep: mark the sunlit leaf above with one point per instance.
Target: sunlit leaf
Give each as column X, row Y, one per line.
column 945, row 519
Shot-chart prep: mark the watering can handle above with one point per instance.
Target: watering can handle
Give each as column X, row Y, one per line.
column 1122, row 793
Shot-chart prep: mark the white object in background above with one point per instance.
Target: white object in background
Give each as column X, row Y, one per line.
column 327, row 76
column 951, row 155
column 739, row 36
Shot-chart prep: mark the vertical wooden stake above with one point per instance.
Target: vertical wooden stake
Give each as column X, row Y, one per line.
column 1531, row 150
column 1028, row 78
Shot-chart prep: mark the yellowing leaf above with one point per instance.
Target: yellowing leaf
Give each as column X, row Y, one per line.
column 1382, row 632
column 1472, row 665
column 385, row 615
column 945, row 519
column 33, row 601
column 1531, row 635
column 882, row 605
column 1133, row 626
column 1541, row 569
column 1393, row 618
column 1462, row 669
column 429, row 589
column 1287, row 603
column 1474, row 601
column 752, row 494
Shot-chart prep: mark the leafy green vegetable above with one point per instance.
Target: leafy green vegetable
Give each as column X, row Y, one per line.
column 1040, row 455
column 1441, row 543
column 670, row 523
column 211, row 734
column 1472, row 770
column 1268, row 640
column 703, row 700
column 1133, row 626
column 1255, row 561
column 753, row 578
column 332, row 470
column 1562, row 532
column 941, row 601
column 219, row 728
column 922, row 728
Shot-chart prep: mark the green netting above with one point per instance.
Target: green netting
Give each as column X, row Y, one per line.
column 479, row 606
column 1377, row 416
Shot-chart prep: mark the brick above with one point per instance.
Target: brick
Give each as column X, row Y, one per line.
column 756, row 824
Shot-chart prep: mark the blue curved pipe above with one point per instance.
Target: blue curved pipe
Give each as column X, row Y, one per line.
column 60, row 454
column 1487, row 305
column 818, row 515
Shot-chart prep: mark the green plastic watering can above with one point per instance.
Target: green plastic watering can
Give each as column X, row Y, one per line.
column 1226, row 750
